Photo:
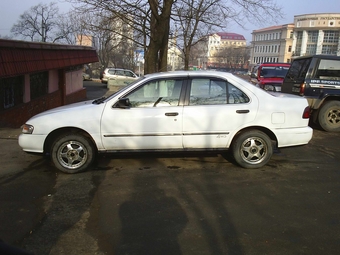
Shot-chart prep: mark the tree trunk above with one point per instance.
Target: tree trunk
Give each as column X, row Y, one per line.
column 156, row 54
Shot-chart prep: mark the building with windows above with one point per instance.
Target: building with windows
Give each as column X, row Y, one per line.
column 219, row 45
column 310, row 34
column 316, row 34
column 35, row 77
column 272, row 44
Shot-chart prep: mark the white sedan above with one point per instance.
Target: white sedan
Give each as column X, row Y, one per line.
column 175, row 111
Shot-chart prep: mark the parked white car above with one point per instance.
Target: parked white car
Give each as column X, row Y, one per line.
column 175, row 111
column 118, row 77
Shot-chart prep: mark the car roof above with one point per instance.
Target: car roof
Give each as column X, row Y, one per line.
column 118, row 68
column 319, row 56
column 274, row 64
column 191, row 73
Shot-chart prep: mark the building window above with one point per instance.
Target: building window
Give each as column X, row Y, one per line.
column 331, row 37
column 11, row 92
column 313, row 36
column 311, row 49
column 329, row 49
column 330, row 42
column 38, row 84
column 290, row 48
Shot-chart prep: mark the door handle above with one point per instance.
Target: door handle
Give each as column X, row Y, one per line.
column 171, row 113
column 242, row 111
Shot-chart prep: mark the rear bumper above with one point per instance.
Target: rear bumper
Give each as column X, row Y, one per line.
column 293, row 136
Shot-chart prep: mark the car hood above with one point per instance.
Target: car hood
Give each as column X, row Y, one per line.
column 71, row 107
column 83, row 115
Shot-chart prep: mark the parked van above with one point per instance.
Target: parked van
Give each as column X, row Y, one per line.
column 317, row 78
column 269, row 76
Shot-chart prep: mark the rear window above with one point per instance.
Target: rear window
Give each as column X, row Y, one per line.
column 274, row 71
column 298, row 69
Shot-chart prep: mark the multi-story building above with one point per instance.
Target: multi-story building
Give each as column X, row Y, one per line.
column 272, row 44
column 218, row 45
column 316, row 34
column 310, row 34
column 220, row 50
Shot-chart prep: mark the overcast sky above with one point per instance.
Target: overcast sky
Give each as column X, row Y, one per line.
column 10, row 11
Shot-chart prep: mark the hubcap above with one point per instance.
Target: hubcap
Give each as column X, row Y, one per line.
column 72, row 154
column 253, row 150
column 334, row 117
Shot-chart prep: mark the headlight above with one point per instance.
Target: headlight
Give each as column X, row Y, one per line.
column 27, row 129
column 269, row 87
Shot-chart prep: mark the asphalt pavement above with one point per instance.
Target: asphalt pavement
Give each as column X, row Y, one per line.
column 163, row 204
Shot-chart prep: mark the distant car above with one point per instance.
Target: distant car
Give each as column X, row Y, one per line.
column 118, row 77
column 176, row 111
column 269, row 75
column 86, row 77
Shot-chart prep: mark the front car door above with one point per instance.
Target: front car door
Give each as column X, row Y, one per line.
column 153, row 120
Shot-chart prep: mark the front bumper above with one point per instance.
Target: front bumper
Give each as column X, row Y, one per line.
column 32, row 143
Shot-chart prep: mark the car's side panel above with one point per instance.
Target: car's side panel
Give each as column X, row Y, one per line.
column 142, row 128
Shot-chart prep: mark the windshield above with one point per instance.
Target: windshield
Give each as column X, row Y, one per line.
column 274, row 71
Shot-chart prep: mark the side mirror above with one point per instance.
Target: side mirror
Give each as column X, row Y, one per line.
column 123, row 103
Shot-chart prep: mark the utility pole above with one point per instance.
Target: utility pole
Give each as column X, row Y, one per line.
column 42, row 26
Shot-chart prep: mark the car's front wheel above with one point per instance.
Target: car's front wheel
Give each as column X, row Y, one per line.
column 72, row 153
column 252, row 149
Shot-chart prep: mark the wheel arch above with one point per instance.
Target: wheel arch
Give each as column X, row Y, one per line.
column 65, row 130
column 267, row 131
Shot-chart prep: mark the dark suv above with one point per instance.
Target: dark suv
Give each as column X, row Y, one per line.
column 318, row 79
column 269, row 76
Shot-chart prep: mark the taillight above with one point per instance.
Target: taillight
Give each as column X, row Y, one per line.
column 306, row 113
column 302, row 89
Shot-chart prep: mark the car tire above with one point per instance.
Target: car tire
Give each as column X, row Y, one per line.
column 329, row 116
column 252, row 149
column 72, row 153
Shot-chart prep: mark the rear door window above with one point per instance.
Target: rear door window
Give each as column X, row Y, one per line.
column 215, row 92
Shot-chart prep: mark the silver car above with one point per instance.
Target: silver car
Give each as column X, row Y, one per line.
column 118, row 77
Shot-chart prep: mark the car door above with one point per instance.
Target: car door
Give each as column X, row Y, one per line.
column 153, row 120
column 216, row 109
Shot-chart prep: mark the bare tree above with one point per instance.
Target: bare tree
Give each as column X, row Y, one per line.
column 149, row 19
column 154, row 20
column 232, row 58
column 196, row 18
column 199, row 18
column 37, row 23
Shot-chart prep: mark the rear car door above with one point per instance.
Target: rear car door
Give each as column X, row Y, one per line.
column 215, row 109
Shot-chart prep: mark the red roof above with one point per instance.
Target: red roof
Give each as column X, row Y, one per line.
column 21, row 57
column 230, row 36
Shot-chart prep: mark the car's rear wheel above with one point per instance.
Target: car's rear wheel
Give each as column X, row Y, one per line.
column 252, row 149
column 329, row 116
column 72, row 153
